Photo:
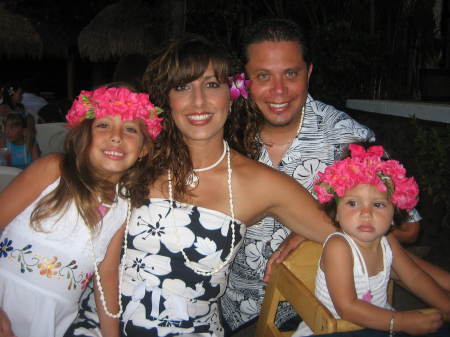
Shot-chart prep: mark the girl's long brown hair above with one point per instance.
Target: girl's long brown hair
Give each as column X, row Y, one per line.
column 81, row 184
column 181, row 62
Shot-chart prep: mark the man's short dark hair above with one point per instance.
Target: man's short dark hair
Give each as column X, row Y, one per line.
column 275, row 30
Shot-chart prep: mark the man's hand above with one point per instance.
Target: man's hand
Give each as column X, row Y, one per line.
column 283, row 251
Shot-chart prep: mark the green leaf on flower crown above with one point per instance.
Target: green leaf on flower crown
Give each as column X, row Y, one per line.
column 159, row 110
column 90, row 113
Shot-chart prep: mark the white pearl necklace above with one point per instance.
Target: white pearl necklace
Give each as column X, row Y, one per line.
column 122, row 267
column 300, row 124
column 194, row 265
column 192, row 180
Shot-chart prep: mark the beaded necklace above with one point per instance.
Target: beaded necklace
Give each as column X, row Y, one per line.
column 122, row 267
column 193, row 265
column 192, row 179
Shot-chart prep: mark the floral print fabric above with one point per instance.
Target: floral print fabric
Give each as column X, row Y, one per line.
column 161, row 295
column 50, row 267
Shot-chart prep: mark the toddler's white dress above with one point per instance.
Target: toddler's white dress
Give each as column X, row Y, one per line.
column 372, row 289
column 42, row 274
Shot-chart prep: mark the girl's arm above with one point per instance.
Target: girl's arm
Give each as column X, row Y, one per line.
column 5, row 325
column 27, row 186
column 417, row 280
column 109, row 275
column 439, row 275
column 337, row 264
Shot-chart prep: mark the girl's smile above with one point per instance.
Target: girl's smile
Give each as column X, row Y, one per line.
column 115, row 145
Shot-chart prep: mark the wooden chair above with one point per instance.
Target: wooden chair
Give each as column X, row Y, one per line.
column 294, row 281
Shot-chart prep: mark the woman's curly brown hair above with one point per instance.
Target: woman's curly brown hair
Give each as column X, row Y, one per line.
column 180, row 62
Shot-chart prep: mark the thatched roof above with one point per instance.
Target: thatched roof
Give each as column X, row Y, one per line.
column 123, row 28
column 18, row 37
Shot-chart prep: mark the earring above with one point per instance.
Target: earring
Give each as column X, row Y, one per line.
column 139, row 159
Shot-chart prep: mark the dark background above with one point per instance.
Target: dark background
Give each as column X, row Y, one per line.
column 362, row 48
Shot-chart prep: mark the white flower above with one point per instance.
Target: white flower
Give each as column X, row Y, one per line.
column 177, row 286
column 205, row 246
column 254, row 255
column 139, row 319
column 150, row 229
column 177, row 296
column 139, row 267
column 278, row 237
column 307, row 171
column 234, row 295
column 249, row 309
column 211, row 261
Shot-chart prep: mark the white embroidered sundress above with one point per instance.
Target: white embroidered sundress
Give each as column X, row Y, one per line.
column 44, row 273
column 377, row 284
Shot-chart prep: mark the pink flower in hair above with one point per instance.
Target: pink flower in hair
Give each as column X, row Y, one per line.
column 367, row 167
column 238, row 86
column 115, row 101
column 405, row 193
column 322, row 193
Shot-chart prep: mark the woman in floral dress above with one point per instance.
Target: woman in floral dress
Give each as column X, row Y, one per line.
column 202, row 194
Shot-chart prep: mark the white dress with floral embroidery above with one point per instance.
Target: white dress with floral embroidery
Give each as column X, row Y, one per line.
column 161, row 295
column 44, row 273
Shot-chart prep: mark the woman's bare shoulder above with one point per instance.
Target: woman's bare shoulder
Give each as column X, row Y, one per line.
column 250, row 168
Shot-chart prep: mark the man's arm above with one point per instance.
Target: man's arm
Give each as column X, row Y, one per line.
column 407, row 232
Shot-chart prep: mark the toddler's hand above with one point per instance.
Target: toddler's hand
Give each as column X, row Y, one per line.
column 5, row 325
column 416, row 323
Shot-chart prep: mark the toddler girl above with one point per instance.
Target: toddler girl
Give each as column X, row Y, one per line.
column 59, row 215
column 366, row 195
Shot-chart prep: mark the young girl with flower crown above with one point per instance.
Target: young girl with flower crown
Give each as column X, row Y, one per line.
column 59, row 216
column 367, row 195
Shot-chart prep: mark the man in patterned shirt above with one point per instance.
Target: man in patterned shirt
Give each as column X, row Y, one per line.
column 300, row 137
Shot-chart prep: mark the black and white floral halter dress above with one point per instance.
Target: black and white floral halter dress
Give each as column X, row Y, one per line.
column 161, row 295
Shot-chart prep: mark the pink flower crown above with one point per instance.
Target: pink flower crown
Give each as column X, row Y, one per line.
column 115, row 101
column 238, row 86
column 367, row 168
